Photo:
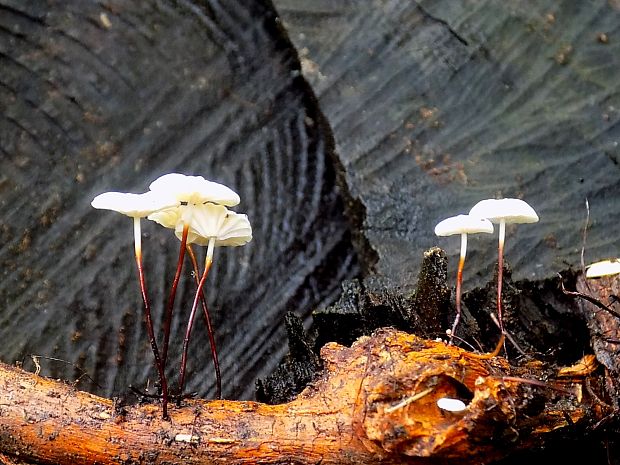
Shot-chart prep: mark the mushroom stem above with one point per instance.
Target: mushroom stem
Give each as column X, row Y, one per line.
column 459, row 282
column 205, row 311
column 500, row 272
column 210, row 248
column 190, row 322
column 172, row 296
column 147, row 313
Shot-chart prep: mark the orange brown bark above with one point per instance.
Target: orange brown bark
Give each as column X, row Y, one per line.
column 374, row 403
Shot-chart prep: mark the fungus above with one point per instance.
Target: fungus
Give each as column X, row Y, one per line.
column 195, row 189
column 212, row 226
column 138, row 206
column 608, row 267
column 503, row 211
column 463, row 225
column 191, row 191
column 451, row 405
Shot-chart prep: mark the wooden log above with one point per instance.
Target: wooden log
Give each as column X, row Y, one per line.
column 376, row 402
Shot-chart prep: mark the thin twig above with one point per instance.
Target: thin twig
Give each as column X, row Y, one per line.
column 408, row 400
column 589, row 298
column 55, row 359
column 583, row 243
column 471, row 346
column 536, row 382
column 508, row 335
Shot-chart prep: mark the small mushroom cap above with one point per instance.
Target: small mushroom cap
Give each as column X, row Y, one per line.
column 168, row 218
column 451, row 405
column 463, row 224
column 603, row 268
column 134, row 205
column 195, row 189
column 216, row 221
column 508, row 210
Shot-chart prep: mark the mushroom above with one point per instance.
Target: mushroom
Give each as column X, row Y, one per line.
column 195, row 189
column 191, row 191
column 451, row 405
column 463, row 225
column 608, row 267
column 138, row 206
column 210, row 225
column 503, row 211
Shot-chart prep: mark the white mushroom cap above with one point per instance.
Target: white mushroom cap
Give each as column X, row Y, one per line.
column 195, row 189
column 463, row 224
column 168, row 218
column 507, row 210
column 134, row 205
column 451, row 405
column 603, row 268
column 216, row 221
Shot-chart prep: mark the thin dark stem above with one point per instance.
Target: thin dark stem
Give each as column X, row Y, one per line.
column 205, row 311
column 171, row 297
column 459, row 282
column 190, row 324
column 151, row 333
column 500, row 274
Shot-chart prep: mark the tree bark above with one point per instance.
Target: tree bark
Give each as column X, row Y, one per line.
column 375, row 402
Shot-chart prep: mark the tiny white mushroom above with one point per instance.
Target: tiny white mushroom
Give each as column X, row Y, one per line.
column 138, row 206
column 451, row 405
column 211, row 225
column 503, row 211
column 462, row 225
column 608, row 267
column 214, row 226
column 192, row 191
column 135, row 206
column 207, row 225
column 195, row 189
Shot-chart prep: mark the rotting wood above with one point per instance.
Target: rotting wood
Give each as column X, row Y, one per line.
column 374, row 403
column 600, row 308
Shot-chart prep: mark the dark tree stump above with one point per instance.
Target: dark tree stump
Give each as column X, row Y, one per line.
column 435, row 105
column 99, row 96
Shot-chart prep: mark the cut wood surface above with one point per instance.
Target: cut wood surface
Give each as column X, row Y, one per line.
column 374, row 403
column 437, row 104
column 100, row 96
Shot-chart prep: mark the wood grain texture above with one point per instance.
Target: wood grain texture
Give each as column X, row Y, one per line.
column 108, row 95
column 435, row 105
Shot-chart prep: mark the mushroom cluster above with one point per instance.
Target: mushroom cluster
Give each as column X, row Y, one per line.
column 196, row 209
column 480, row 219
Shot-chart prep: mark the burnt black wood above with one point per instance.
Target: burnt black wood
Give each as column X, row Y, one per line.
column 108, row 95
column 435, row 105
